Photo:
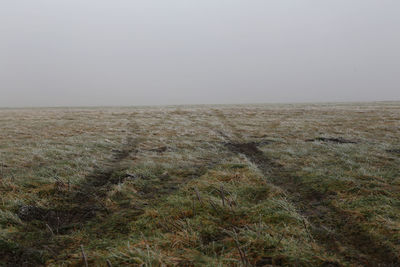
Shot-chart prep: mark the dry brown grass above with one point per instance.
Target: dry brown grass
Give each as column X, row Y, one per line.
column 121, row 182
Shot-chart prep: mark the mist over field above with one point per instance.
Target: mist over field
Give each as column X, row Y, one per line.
column 88, row 53
column 200, row 133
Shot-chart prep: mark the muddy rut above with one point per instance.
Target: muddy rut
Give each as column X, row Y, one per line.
column 331, row 227
column 84, row 204
column 73, row 209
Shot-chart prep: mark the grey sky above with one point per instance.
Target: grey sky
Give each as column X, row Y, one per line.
column 126, row 52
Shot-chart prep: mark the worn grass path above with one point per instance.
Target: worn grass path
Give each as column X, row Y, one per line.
column 42, row 236
column 330, row 226
column 81, row 209
column 73, row 208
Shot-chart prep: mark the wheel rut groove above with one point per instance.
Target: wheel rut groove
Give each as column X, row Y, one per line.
column 330, row 226
column 329, row 223
column 84, row 204
column 71, row 212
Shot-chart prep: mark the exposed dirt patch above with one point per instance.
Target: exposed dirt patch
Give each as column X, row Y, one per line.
column 29, row 213
column 394, row 151
column 58, row 220
column 253, row 153
column 263, row 142
column 336, row 140
column 159, row 149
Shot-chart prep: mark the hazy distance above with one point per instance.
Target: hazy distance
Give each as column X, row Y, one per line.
column 125, row 52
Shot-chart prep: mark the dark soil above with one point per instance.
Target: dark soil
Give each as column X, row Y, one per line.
column 394, row 151
column 338, row 140
column 254, row 154
column 159, row 149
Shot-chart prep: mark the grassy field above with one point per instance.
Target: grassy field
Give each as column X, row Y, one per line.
column 245, row 185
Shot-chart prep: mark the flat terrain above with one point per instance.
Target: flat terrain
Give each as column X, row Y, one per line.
column 245, row 185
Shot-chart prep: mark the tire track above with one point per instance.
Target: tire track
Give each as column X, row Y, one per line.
column 84, row 204
column 331, row 226
column 71, row 212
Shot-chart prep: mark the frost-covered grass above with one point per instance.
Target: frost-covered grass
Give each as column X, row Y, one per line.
column 180, row 196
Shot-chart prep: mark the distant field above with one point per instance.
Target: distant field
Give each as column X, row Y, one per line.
column 245, row 185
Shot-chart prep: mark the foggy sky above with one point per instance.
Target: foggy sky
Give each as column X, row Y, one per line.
column 126, row 52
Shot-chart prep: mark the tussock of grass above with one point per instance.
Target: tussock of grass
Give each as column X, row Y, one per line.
column 183, row 228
